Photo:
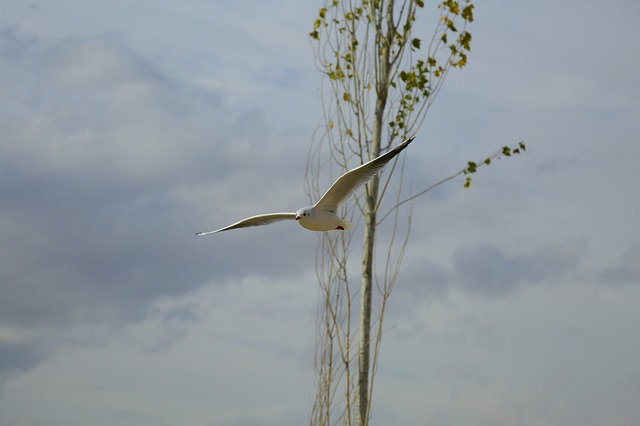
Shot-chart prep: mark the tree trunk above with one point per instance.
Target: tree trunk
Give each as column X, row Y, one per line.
column 370, row 206
column 365, row 308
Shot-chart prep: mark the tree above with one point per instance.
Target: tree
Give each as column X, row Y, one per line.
column 379, row 80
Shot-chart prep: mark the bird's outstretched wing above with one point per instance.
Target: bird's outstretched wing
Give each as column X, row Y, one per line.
column 258, row 220
column 351, row 180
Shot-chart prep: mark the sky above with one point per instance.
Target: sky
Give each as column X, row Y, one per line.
column 128, row 126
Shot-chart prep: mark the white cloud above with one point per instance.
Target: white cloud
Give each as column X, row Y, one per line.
column 127, row 127
column 547, row 355
column 230, row 356
column 110, row 167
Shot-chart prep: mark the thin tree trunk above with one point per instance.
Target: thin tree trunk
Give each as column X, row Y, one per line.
column 365, row 308
column 370, row 206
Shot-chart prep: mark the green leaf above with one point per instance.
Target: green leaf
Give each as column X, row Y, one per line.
column 506, row 151
column 415, row 43
column 462, row 62
column 452, row 6
column 465, row 40
column 448, row 22
column 467, row 13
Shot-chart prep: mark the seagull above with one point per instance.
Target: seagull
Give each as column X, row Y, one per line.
column 322, row 215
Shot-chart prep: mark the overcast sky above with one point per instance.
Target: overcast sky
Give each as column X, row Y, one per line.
column 128, row 126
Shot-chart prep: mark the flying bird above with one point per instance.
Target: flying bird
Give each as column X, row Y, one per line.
column 322, row 215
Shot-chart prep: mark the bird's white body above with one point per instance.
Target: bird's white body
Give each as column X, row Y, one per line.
column 320, row 220
column 322, row 215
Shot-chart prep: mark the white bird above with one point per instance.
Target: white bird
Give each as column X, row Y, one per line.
column 322, row 215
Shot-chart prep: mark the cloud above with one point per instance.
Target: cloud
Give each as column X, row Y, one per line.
column 19, row 357
column 109, row 168
column 627, row 269
column 186, row 362
column 127, row 127
column 488, row 270
column 420, row 281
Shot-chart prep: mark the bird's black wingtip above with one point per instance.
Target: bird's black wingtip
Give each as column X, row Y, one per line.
column 405, row 143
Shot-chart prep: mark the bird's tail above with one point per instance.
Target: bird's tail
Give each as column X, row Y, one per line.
column 345, row 224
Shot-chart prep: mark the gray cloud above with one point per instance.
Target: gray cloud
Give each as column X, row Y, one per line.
column 15, row 357
column 116, row 148
column 420, row 281
column 109, row 168
column 488, row 270
column 626, row 270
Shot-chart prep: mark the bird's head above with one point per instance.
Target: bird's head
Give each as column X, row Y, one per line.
column 304, row 212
